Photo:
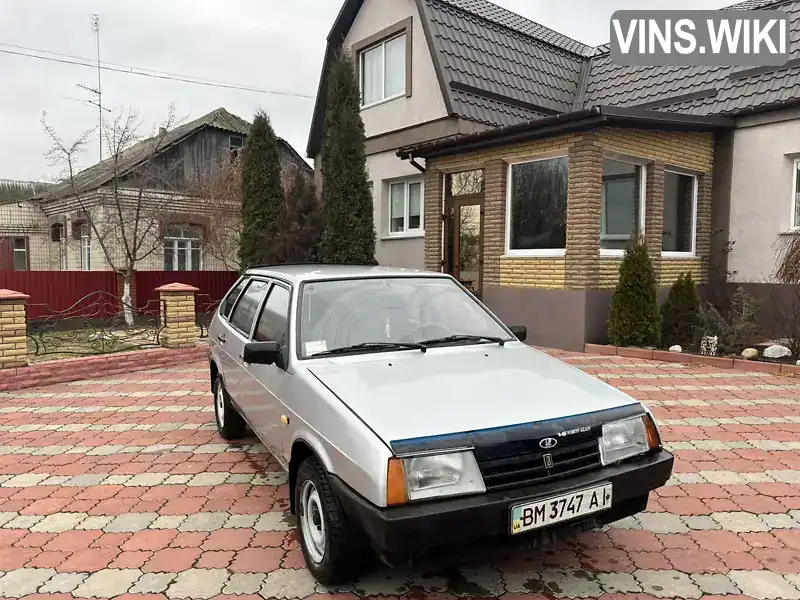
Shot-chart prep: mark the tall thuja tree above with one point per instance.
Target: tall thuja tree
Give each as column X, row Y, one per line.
column 349, row 234
column 635, row 318
column 302, row 219
column 262, row 196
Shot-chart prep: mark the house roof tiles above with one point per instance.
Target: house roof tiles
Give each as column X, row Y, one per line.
column 499, row 68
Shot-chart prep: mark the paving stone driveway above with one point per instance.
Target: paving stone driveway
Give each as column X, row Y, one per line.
column 121, row 487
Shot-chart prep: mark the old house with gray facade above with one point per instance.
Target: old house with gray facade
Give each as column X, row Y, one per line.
column 46, row 227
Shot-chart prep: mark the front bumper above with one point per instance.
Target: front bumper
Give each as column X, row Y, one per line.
column 413, row 527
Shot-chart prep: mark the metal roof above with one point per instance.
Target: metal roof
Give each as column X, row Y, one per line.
column 317, row 272
column 498, row 68
column 579, row 120
column 18, row 191
column 103, row 172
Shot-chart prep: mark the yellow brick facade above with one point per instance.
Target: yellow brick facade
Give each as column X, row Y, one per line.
column 548, row 273
column 582, row 267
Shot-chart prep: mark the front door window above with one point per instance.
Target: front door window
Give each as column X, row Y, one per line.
column 464, row 229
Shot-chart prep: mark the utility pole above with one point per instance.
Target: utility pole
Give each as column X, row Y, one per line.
column 96, row 28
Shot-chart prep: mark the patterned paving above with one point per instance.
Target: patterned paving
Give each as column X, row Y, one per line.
column 121, row 488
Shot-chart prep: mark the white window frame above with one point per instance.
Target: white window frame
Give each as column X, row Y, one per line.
column 793, row 226
column 174, row 240
column 695, row 194
column 23, row 251
column 86, row 252
column 642, row 203
column 541, row 252
column 406, row 233
column 382, row 46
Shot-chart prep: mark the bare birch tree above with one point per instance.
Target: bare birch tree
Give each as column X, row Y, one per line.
column 125, row 210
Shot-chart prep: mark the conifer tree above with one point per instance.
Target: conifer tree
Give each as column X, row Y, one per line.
column 262, row 196
column 635, row 318
column 349, row 234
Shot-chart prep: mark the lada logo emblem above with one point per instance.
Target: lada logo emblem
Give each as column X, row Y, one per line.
column 548, row 443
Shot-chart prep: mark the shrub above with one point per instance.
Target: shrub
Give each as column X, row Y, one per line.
column 735, row 330
column 635, row 319
column 679, row 316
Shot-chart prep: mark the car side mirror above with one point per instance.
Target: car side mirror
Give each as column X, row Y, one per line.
column 519, row 331
column 262, row 353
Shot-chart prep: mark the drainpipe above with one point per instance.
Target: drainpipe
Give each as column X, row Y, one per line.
column 418, row 166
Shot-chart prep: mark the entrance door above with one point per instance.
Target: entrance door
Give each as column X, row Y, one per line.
column 464, row 242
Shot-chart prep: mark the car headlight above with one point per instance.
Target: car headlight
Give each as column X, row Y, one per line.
column 628, row 438
column 433, row 476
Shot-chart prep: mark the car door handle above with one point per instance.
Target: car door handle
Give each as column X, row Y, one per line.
column 221, row 337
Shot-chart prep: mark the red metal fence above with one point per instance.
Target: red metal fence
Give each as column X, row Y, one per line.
column 57, row 291
column 213, row 285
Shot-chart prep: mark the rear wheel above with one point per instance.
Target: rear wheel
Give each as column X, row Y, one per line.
column 332, row 548
column 230, row 424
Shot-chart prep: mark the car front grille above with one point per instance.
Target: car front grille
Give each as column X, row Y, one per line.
column 522, row 463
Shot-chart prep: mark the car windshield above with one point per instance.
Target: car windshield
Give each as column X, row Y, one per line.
column 376, row 314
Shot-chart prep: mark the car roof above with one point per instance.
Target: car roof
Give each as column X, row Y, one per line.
column 317, row 272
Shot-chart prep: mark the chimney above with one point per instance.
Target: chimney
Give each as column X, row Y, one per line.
column 162, row 131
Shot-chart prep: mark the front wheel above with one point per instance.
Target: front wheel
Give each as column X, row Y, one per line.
column 330, row 545
column 230, row 424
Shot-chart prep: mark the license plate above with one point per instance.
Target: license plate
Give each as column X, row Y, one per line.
column 565, row 507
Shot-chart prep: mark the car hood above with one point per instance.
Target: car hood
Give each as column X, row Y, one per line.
column 407, row 395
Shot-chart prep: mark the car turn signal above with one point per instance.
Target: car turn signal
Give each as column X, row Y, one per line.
column 396, row 493
column 653, row 437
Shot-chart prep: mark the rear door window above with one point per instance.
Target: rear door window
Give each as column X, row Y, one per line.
column 246, row 308
column 273, row 326
column 230, row 299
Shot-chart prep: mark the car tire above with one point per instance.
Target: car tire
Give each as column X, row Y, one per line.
column 230, row 424
column 320, row 518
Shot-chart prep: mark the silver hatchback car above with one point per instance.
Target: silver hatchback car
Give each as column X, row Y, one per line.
column 409, row 416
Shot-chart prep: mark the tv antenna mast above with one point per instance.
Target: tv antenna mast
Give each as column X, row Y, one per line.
column 98, row 91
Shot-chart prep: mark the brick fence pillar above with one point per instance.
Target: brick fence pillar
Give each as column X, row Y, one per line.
column 179, row 327
column 13, row 340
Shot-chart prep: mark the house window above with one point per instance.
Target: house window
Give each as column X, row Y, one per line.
column 86, row 249
column 796, row 196
column 383, row 70
column 680, row 213
column 537, row 207
column 623, row 204
column 20, row 254
column 235, row 145
column 405, row 206
column 182, row 244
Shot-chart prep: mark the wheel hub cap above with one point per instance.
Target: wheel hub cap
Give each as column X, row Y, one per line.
column 312, row 522
column 220, row 401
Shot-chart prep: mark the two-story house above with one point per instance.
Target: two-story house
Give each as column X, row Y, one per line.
column 55, row 227
column 537, row 157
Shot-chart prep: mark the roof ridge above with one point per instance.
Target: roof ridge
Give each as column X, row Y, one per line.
column 585, row 48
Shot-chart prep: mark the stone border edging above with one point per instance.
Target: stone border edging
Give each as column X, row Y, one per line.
column 739, row 364
column 91, row 367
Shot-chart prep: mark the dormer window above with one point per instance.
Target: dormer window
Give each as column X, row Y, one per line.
column 384, row 64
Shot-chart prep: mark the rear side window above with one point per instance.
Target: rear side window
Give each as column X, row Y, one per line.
column 273, row 326
column 230, row 299
column 245, row 312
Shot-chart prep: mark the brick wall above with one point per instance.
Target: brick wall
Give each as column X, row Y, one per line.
column 545, row 272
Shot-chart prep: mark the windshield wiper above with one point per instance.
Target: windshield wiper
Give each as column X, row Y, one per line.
column 372, row 346
column 465, row 338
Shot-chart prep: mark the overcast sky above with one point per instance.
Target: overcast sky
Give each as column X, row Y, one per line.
column 273, row 45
